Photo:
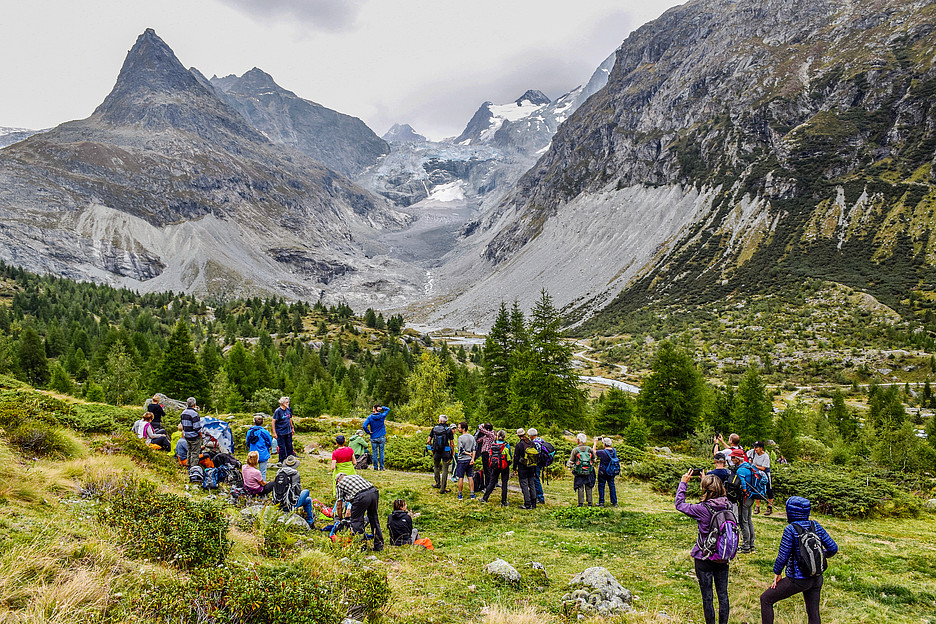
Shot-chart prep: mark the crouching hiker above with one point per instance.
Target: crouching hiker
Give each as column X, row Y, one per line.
column 804, row 548
column 716, row 544
column 288, row 492
column 364, row 498
column 400, row 525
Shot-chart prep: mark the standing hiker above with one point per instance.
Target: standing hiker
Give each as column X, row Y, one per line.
column 440, row 442
column 191, row 431
column 499, row 459
column 582, row 463
column 260, row 440
column 376, row 428
column 525, row 461
column 609, row 467
column 465, row 460
column 283, row 429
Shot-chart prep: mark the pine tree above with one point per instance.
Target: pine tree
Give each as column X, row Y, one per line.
column 495, row 363
column 843, row 419
column 120, row 377
column 751, row 412
column 614, row 411
column 179, row 374
column 670, row 400
column 32, row 357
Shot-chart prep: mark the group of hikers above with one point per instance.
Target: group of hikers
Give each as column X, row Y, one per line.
column 723, row 532
column 731, row 492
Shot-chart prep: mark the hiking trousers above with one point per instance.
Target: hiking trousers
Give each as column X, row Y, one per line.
column 194, row 451
column 440, row 470
column 708, row 573
column 747, row 525
column 528, row 487
column 365, row 505
column 786, row 587
column 540, row 497
column 284, row 446
column 502, row 474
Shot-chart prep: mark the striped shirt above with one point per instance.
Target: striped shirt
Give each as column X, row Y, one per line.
column 350, row 486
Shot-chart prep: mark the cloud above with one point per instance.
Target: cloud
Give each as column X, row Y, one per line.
column 327, row 15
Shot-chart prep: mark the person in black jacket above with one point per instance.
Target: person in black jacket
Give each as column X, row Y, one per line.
column 156, row 409
column 400, row 525
column 526, row 474
column 441, row 441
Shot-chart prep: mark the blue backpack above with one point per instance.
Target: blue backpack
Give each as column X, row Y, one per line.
column 614, row 464
column 721, row 541
column 756, row 486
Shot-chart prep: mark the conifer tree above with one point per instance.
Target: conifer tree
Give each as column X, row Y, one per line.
column 32, row 357
column 751, row 412
column 671, row 397
column 495, row 363
column 179, row 374
column 843, row 419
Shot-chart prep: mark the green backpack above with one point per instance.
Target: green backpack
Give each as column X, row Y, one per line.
column 582, row 464
column 531, row 456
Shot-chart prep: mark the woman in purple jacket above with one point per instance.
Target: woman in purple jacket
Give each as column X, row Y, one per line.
column 707, row 571
column 796, row 581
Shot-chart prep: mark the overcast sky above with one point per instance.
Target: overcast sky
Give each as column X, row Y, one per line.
column 429, row 63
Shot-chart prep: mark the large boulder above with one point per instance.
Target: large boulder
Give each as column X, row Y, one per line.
column 502, row 570
column 595, row 591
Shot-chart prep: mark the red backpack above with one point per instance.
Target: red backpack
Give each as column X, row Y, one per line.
column 498, row 457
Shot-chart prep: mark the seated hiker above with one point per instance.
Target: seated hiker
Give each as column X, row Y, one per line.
column 149, row 435
column 288, row 492
column 359, row 445
column 181, row 447
column 342, row 460
column 253, row 478
column 400, row 525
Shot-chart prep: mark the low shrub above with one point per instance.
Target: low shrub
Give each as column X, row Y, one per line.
column 126, row 443
column 843, row 493
column 580, row 517
column 408, row 453
column 312, row 425
column 26, row 404
column 180, row 531
column 39, row 438
column 664, row 475
column 366, row 593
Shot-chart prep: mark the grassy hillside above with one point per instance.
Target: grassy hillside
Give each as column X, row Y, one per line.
column 59, row 562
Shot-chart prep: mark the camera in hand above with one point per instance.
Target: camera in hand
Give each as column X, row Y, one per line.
column 697, row 472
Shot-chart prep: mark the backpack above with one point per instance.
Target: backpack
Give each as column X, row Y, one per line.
column 733, row 489
column 531, row 456
column 721, row 541
column 252, row 438
column 582, row 463
column 196, row 474
column 284, row 493
column 498, row 457
column 213, row 477
column 756, row 486
column 440, row 440
column 547, row 452
column 614, row 464
column 809, row 550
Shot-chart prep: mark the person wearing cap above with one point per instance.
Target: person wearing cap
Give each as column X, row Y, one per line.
column 283, row 429
column 526, row 474
column 360, row 447
column 342, row 459
column 260, row 440
column 440, row 442
column 539, row 442
column 745, row 472
column 760, row 459
column 796, row 580
column 604, row 456
column 364, row 499
column 156, row 409
column 584, row 482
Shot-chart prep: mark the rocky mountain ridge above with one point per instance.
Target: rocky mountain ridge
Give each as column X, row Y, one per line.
column 9, row 136
column 748, row 144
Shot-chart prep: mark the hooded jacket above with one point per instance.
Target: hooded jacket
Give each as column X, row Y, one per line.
column 263, row 442
column 400, row 527
column 797, row 510
column 374, row 424
column 700, row 512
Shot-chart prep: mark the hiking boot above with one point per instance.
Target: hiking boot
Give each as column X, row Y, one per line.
column 757, row 510
column 444, row 491
column 436, row 485
column 769, row 510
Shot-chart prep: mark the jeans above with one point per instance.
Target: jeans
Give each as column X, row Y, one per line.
column 262, row 467
column 377, row 451
column 612, row 492
column 528, row 487
column 305, row 503
column 786, row 587
column 440, row 469
column 284, row 446
column 747, row 525
column 540, row 497
column 194, row 451
column 503, row 475
column 708, row 572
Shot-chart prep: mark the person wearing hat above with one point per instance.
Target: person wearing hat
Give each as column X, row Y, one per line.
column 359, row 445
column 797, row 580
column 364, row 499
column 525, row 469
column 156, row 409
column 342, row 460
column 745, row 473
column 441, row 441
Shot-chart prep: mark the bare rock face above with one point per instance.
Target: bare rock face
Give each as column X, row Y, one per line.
column 595, row 591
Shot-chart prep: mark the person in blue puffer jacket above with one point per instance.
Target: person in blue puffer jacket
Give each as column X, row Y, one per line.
column 375, row 428
column 796, row 581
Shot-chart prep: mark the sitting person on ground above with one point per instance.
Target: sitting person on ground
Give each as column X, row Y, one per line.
column 760, row 459
column 400, row 525
column 803, row 574
column 342, row 459
column 711, row 567
column 288, row 492
column 359, row 445
column 253, row 478
column 364, row 499
column 260, row 440
column 499, row 459
column 150, row 436
column 466, row 457
column 180, row 446
column 609, row 467
column 582, row 462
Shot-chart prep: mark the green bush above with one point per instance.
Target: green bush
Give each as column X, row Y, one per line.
column 839, row 492
column 367, row 594
column 581, row 517
column 408, row 453
column 180, row 531
column 310, row 425
column 664, row 475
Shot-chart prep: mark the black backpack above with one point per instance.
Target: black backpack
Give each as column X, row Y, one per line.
column 809, row 550
column 440, row 440
column 284, row 493
column 733, row 488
